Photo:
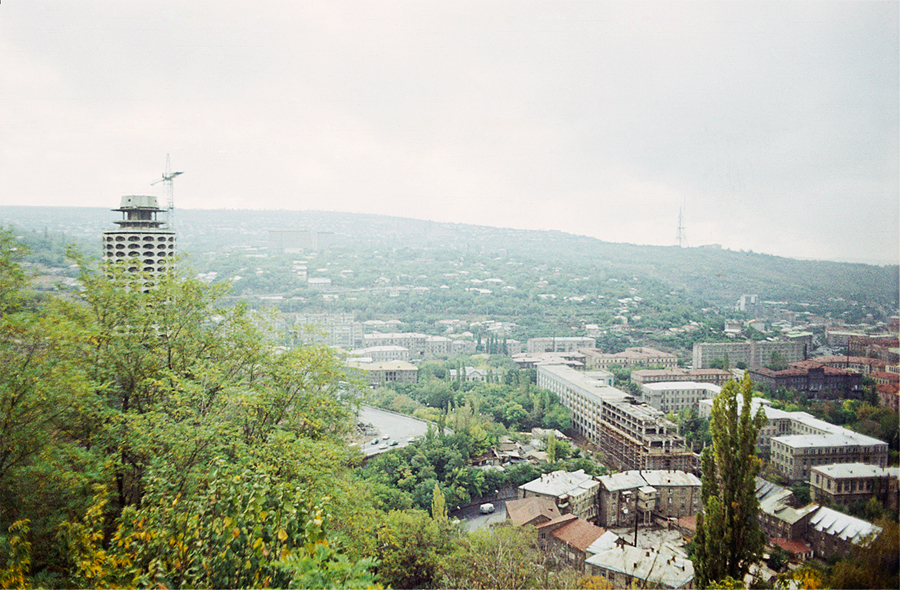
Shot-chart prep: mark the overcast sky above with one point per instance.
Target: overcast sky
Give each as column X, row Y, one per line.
column 773, row 125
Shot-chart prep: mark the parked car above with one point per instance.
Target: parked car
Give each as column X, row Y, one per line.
column 487, row 508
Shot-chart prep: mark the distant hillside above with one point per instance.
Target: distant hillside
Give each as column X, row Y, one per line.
column 716, row 275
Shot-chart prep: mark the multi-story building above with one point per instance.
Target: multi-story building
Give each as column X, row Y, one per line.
column 777, row 518
column 415, row 343
column 715, row 376
column 338, row 330
column 817, row 380
column 630, row 357
column 438, row 346
column 674, row 396
column 573, row 492
column 559, row 344
column 141, row 240
column 382, row 353
column 462, row 347
column 752, row 353
column 850, row 483
column 793, row 456
column 630, row 434
column 630, row 494
column 636, row 436
column 857, row 364
column 377, row 374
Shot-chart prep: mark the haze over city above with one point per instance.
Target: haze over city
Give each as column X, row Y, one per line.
column 772, row 126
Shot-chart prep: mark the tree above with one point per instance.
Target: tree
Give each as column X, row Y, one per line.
column 728, row 538
column 438, row 504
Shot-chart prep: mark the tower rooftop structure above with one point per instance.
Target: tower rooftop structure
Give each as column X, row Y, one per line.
column 140, row 237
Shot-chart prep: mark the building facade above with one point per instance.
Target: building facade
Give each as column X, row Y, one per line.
column 714, row 376
column 377, row 374
column 573, row 492
column 630, row 357
column 559, row 344
column 752, row 353
column 674, row 396
column 851, row 483
column 141, row 241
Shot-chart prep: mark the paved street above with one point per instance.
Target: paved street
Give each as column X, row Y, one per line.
column 396, row 427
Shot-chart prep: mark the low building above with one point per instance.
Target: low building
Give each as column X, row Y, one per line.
column 624, row 566
column 851, row 483
column 777, row 518
column 833, row 533
column 377, row 374
column 630, row 357
column 573, row 492
column 566, row 539
column 533, row 510
column 674, row 396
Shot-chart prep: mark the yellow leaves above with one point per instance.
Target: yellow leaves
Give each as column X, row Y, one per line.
column 235, row 532
column 282, row 535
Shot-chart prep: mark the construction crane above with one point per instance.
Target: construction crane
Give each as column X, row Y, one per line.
column 167, row 178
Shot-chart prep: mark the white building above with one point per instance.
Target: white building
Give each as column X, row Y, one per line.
column 674, row 396
column 574, row 492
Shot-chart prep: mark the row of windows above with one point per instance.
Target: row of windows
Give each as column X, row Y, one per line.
column 137, row 238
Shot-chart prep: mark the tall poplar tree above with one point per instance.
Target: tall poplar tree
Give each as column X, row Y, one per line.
column 729, row 538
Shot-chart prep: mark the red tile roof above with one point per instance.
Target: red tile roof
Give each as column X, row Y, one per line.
column 792, row 545
column 531, row 509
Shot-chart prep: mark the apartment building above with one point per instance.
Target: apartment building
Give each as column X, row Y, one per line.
column 382, row 353
column 752, row 352
column 833, row 533
column 377, row 374
column 438, row 346
column 630, row 434
column 714, row 376
column 850, row 483
column 666, row 494
column 674, row 396
column 339, row 330
column 415, row 343
column 573, row 492
column 630, row 357
column 624, row 566
column 559, row 344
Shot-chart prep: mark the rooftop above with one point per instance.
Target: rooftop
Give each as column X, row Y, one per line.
column 840, row 470
column 560, row 483
column 844, row 526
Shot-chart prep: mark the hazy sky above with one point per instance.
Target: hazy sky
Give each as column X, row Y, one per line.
column 773, row 125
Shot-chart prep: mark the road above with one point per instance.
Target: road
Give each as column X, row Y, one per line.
column 396, row 427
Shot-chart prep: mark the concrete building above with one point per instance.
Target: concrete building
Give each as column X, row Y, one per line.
column 572, row 492
column 559, row 344
column 382, row 354
column 377, row 374
column 415, row 343
column 141, row 240
column 631, row 435
column 851, row 483
column 339, row 330
column 674, row 396
column 438, row 346
column 630, row 357
column 793, row 456
column 714, row 376
column 752, row 353
column 779, row 519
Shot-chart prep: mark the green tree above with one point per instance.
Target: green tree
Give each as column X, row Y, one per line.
column 728, row 538
column 438, row 505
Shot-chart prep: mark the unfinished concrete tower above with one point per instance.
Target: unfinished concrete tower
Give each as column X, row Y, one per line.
column 140, row 239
